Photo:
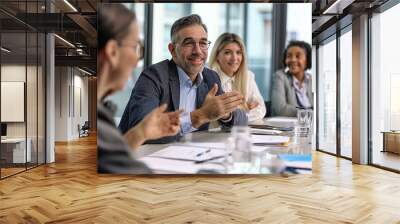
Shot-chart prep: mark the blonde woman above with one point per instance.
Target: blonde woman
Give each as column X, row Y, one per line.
column 228, row 59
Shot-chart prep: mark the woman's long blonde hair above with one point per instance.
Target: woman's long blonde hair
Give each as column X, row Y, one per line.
column 241, row 75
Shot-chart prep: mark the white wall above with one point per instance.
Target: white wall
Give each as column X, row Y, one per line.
column 71, row 93
column 15, row 73
column 61, row 103
column 80, row 100
column 33, row 125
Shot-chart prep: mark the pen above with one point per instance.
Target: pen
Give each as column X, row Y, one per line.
column 207, row 160
column 207, row 151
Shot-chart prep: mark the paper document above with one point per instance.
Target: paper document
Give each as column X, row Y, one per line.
column 281, row 121
column 270, row 127
column 214, row 145
column 168, row 166
column 269, row 139
column 264, row 131
column 219, row 145
column 189, row 153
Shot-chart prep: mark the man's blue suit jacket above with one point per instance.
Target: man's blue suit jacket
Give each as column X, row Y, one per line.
column 158, row 84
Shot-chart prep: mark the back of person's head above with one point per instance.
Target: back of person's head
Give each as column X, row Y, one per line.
column 223, row 40
column 113, row 23
column 184, row 22
column 304, row 45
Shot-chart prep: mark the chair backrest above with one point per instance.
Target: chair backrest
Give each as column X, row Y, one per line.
column 268, row 108
column 86, row 125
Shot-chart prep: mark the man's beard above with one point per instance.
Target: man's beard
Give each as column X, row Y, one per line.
column 194, row 69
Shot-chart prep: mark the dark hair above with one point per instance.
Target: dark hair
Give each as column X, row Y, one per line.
column 301, row 44
column 186, row 21
column 114, row 20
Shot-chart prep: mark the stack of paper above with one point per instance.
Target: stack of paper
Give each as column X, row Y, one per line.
column 281, row 121
column 269, row 140
column 259, row 131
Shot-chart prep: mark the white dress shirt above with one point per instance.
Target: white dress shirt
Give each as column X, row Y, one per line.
column 187, row 99
column 253, row 94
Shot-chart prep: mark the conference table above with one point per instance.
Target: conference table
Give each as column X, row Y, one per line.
column 265, row 159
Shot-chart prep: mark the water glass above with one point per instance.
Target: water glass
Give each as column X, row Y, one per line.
column 242, row 141
column 304, row 117
column 303, row 127
column 257, row 155
column 186, row 138
column 229, row 147
column 241, row 149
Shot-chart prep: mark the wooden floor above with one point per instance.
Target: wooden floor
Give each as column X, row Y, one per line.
column 5, row 172
column 70, row 191
column 10, row 171
column 386, row 159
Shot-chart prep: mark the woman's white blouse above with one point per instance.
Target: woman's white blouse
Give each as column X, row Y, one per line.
column 253, row 95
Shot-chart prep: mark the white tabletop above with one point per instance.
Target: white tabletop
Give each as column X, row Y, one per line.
column 220, row 137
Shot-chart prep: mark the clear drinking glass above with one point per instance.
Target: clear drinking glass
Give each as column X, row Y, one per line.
column 304, row 117
column 241, row 153
column 186, row 138
column 303, row 127
column 257, row 155
column 229, row 147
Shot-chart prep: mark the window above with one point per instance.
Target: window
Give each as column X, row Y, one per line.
column 219, row 18
column 314, row 89
column 346, row 94
column 214, row 16
column 235, row 14
column 327, row 97
column 259, row 45
column 22, row 77
column 298, row 25
column 385, row 83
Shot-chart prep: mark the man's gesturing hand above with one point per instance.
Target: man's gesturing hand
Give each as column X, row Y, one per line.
column 215, row 107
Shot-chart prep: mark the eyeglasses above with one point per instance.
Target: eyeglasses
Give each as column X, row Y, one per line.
column 190, row 43
column 138, row 48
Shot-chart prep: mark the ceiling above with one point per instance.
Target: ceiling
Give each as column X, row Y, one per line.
column 330, row 15
column 75, row 21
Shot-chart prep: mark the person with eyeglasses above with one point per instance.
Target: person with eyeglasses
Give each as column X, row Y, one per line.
column 119, row 50
column 184, row 83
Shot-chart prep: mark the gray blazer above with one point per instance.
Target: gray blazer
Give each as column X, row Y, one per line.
column 158, row 84
column 114, row 155
column 283, row 95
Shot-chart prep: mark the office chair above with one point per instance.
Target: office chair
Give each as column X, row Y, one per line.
column 268, row 108
column 84, row 130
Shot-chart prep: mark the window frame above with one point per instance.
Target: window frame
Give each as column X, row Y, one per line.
column 327, row 39
column 371, row 14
